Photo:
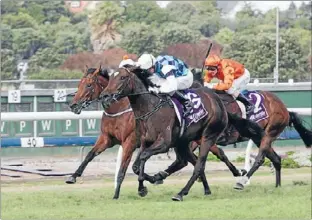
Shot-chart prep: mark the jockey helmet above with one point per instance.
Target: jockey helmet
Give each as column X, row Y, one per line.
column 146, row 61
column 212, row 61
column 125, row 62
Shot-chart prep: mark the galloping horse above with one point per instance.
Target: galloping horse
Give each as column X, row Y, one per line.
column 273, row 117
column 117, row 127
column 158, row 125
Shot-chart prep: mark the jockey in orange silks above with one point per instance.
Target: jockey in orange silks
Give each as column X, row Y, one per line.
column 233, row 78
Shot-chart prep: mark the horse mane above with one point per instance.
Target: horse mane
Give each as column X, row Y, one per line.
column 143, row 75
column 103, row 72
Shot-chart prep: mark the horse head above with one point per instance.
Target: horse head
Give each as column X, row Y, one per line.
column 90, row 87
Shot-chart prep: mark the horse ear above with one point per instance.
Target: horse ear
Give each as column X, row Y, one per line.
column 97, row 71
column 85, row 71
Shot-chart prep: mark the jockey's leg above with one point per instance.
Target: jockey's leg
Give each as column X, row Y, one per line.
column 185, row 82
column 239, row 84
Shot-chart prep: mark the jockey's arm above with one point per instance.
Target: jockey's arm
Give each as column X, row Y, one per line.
column 170, row 84
column 228, row 79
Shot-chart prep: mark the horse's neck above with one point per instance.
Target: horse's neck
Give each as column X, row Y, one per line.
column 143, row 103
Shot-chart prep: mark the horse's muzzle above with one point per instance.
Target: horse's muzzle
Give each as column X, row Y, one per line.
column 75, row 108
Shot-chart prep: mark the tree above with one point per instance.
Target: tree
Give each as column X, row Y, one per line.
column 174, row 33
column 51, row 10
column 207, row 18
column 139, row 38
column 257, row 53
column 20, row 20
column 180, row 12
column 224, row 36
column 145, row 12
column 293, row 64
column 10, row 7
column 247, row 18
column 6, row 37
column 26, row 41
column 105, row 22
column 47, row 58
column 8, row 62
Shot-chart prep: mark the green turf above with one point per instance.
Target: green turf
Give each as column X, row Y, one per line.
column 55, row 200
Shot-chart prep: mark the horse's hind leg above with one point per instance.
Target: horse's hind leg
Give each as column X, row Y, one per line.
column 178, row 164
column 221, row 156
column 276, row 160
column 259, row 160
column 103, row 142
column 199, row 168
column 192, row 158
column 129, row 147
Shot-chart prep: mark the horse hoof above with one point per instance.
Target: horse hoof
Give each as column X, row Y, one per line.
column 143, row 192
column 177, row 198
column 115, row 197
column 71, row 180
column 159, row 182
column 239, row 186
column 207, row 193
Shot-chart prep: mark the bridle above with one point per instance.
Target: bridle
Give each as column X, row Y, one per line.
column 119, row 95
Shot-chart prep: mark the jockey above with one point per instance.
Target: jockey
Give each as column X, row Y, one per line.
column 170, row 74
column 126, row 61
column 234, row 77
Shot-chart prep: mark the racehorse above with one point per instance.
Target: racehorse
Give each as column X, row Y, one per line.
column 275, row 118
column 117, row 127
column 158, row 125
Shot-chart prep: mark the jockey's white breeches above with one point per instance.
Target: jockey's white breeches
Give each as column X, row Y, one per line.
column 185, row 82
column 239, row 84
column 172, row 84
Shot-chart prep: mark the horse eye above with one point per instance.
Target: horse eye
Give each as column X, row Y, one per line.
column 88, row 85
column 123, row 77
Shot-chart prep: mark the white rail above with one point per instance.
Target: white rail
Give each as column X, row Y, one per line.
column 35, row 116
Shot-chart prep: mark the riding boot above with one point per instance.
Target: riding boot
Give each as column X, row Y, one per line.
column 249, row 106
column 188, row 105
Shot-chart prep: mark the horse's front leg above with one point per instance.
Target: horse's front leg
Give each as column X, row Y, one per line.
column 159, row 146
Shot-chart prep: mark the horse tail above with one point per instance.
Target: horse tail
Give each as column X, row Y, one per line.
column 246, row 128
column 304, row 133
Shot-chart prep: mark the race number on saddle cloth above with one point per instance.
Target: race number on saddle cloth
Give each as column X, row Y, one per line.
column 233, row 76
column 172, row 76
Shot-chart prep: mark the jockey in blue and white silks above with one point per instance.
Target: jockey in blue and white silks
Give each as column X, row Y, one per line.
column 170, row 74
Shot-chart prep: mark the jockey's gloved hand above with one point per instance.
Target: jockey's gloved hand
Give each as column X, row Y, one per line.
column 153, row 90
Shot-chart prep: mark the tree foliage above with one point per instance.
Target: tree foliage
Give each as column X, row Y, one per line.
column 139, row 38
column 45, row 33
column 147, row 12
column 180, row 12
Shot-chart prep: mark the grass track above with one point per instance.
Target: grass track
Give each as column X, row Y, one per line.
column 92, row 200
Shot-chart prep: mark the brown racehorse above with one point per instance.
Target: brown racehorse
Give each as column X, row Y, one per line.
column 278, row 119
column 158, row 127
column 117, row 127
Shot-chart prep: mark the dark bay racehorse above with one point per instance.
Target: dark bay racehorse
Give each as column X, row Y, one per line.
column 118, row 127
column 278, row 118
column 158, row 127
